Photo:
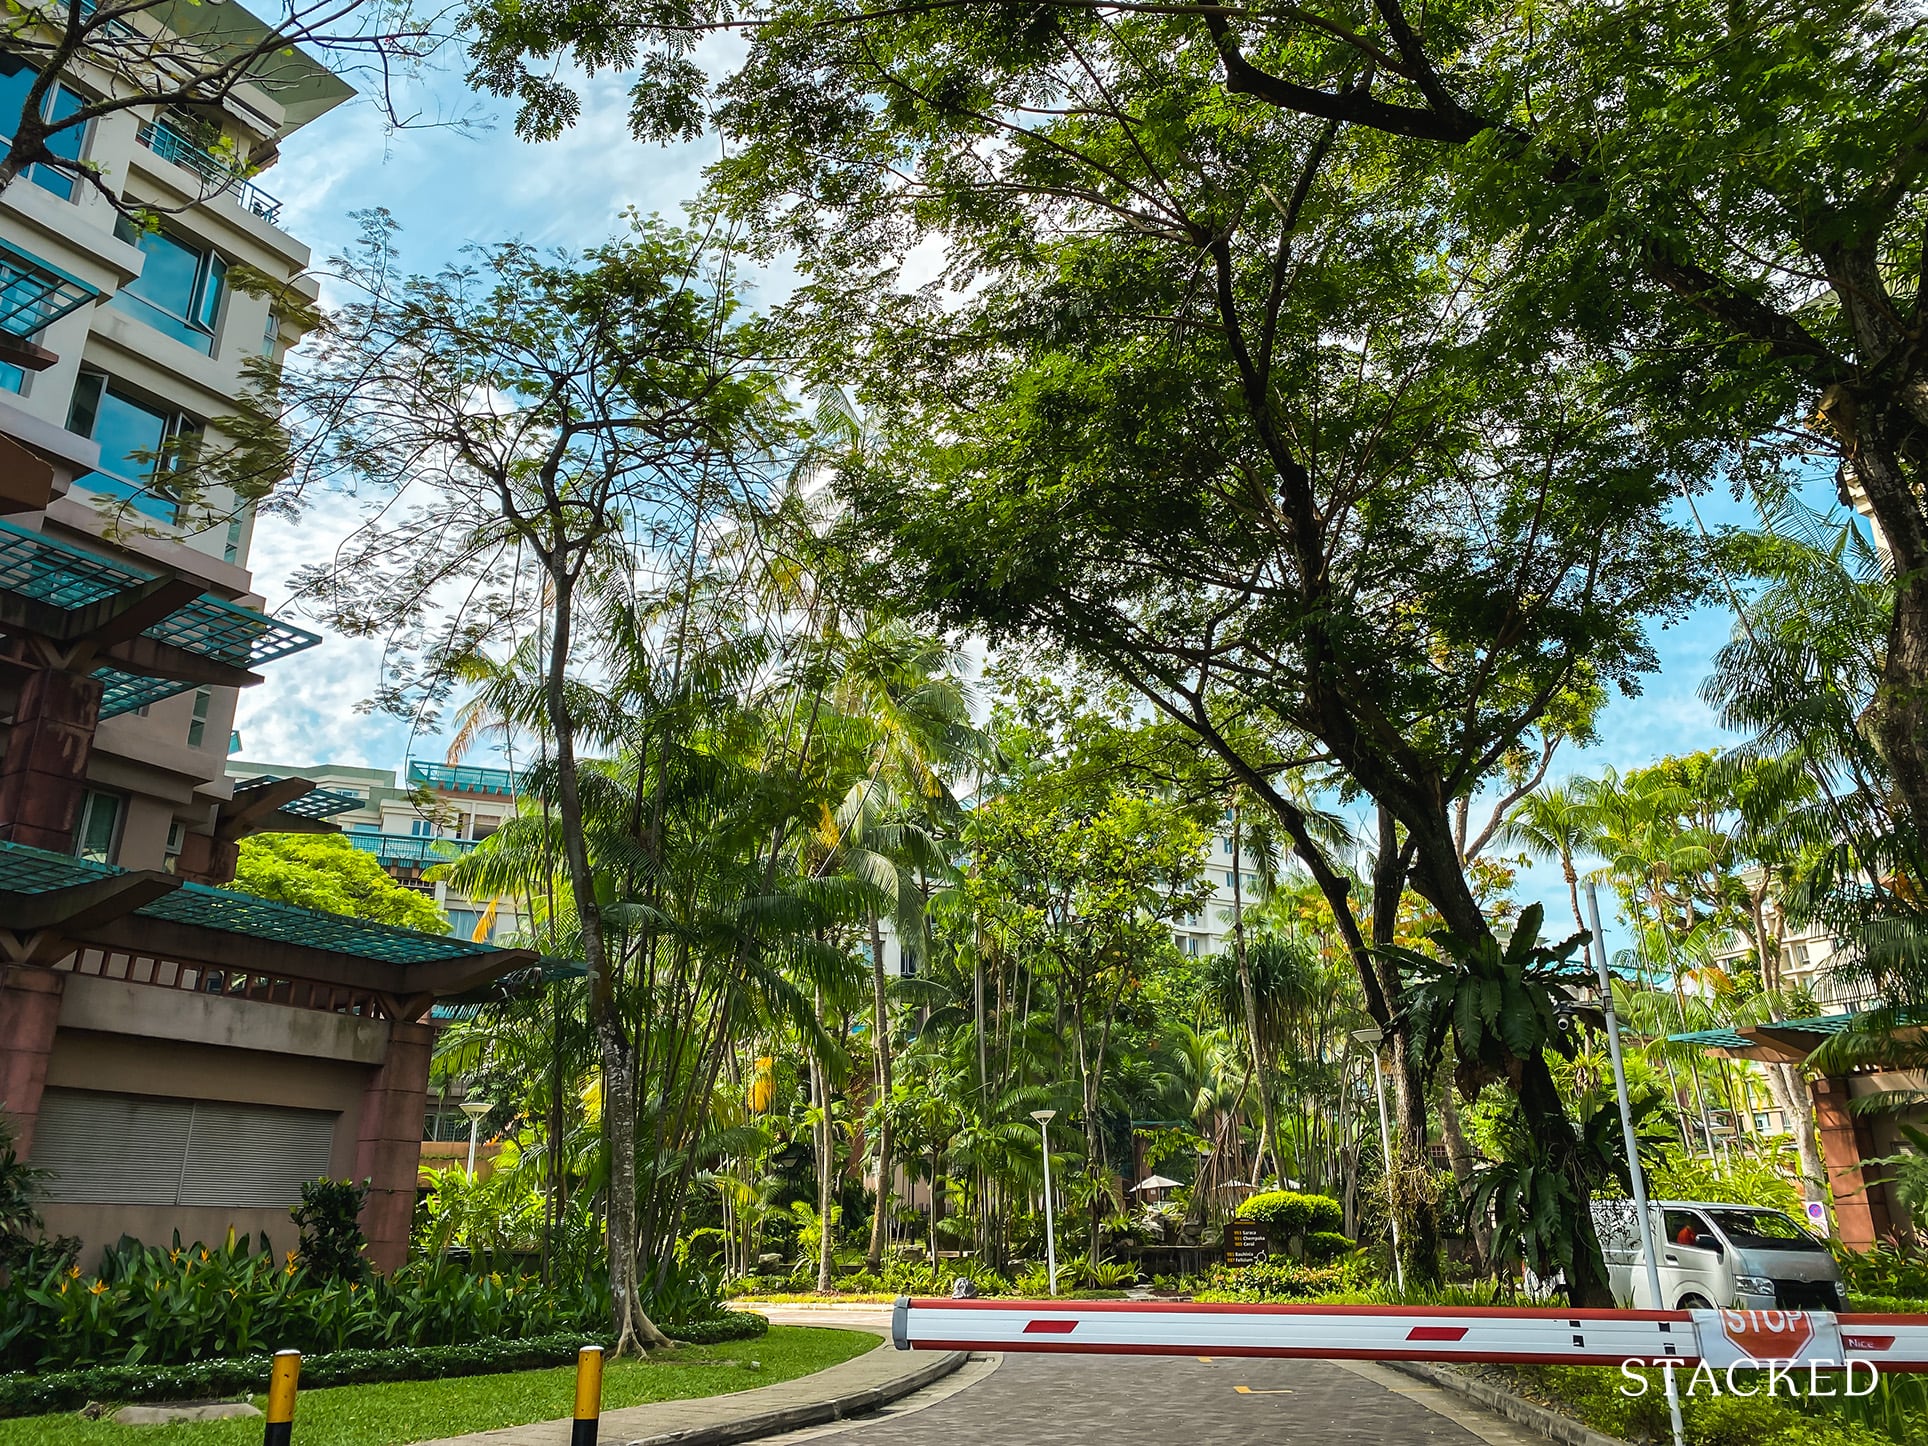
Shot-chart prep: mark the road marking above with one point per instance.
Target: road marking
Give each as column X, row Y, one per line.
column 1248, row 1391
column 1205, row 1360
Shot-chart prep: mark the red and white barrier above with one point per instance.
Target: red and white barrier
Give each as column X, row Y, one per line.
column 1413, row 1333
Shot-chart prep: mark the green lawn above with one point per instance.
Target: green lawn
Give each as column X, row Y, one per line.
column 401, row 1411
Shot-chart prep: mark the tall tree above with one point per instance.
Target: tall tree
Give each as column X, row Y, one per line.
column 577, row 415
column 1761, row 289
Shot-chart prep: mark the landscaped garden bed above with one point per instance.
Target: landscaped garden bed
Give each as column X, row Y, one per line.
column 390, row 1413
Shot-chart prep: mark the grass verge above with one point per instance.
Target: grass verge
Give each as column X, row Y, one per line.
column 396, row 1412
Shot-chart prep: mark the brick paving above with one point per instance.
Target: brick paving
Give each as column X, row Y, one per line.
column 1103, row 1400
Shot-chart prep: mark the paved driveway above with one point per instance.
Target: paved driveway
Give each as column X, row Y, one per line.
column 1048, row 1400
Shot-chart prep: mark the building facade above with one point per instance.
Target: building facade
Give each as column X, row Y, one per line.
column 178, row 1057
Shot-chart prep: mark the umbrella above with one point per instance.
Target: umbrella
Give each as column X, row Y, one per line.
column 1156, row 1182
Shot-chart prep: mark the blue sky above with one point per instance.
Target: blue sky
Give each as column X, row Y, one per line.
column 449, row 189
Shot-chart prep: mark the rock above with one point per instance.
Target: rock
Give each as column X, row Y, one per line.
column 168, row 1415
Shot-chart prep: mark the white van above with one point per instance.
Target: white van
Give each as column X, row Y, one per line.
column 1714, row 1254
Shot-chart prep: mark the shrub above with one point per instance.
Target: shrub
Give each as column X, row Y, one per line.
column 729, row 1325
column 1885, row 1271
column 1326, row 1245
column 1288, row 1213
column 38, row 1393
column 1274, row 1280
column 329, row 1216
column 152, row 1306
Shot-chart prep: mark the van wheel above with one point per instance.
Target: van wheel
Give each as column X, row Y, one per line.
column 1694, row 1302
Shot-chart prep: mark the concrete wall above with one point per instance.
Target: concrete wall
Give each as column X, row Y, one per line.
column 141, row 1040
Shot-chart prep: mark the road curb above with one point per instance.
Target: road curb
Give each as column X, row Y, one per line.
column 1518, row 1409
column 926, row 1370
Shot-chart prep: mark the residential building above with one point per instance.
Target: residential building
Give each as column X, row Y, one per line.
column 177, row 1056
column 433, row 814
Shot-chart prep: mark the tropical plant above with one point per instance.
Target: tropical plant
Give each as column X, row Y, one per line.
column 329, row 1218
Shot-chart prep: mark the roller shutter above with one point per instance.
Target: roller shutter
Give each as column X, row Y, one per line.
column 108, row 1149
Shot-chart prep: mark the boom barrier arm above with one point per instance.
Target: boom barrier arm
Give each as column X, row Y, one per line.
column 1720, row 1338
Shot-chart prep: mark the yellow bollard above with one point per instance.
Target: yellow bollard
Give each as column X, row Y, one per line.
column 281, row 1398
column 588, row 1396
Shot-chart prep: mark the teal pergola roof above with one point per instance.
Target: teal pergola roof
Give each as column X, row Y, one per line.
column 47, row 570
column 316, row 803
column 1819, row 1027
column 36, row 871
column 34, row 295
column 464, row 778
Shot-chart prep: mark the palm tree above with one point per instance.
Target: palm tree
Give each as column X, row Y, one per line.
column 1555, row 823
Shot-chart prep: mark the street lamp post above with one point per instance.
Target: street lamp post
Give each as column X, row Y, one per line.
column 475, row 1110
column 1044, row 1119
column 1371, row 1038
column 1636, row 1174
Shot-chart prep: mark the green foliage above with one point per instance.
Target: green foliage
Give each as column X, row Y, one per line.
column 1886, row 1270
column 725, row 1325
column 1276, row 1280
column 1288, row 1213
column 327, row 872
column 1595, row 1395
column 1741, row 1179
column 20, row 1185
column 1908, row 1173
column 329, row 1216
column 1324, row 1246
column 153, row 1306
column 33, row 1393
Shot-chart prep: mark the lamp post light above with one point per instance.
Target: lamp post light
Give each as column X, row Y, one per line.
column 1638, row 1175
column 475, row 1110
column 1044, row 1119
column 1371, row 1038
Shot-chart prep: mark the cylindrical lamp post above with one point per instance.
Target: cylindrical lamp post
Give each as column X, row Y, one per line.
column 475, row 1110
column 1044, row 1119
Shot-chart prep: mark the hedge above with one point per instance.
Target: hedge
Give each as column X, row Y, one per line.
column 1324, row 1245
column 36, row 1394
column 1289, row 1213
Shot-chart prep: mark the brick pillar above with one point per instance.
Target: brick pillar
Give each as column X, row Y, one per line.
column 388, row 1153
column 1860, row 1204
column 29, row 1013
column 44, row 774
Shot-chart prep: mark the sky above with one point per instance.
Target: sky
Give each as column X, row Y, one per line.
column 450, row 188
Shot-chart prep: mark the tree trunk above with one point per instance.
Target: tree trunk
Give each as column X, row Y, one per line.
column 631, row 1324
column 880, row 1027
column 1459, row 1155
column 826, row 1163
column 1268, row 1121
column 1409, row 1191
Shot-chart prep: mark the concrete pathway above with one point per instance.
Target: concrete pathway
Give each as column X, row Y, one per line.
column 862, row 1384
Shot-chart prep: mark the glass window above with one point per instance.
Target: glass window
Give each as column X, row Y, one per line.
column 270, row 335
column 1764, row 1230
column 12, row 379
column 99, row 823
column 197, row 730
column 421, row 828
column 16, row 79
column 179, row 289
column 1683, row 1227
column 131, row 435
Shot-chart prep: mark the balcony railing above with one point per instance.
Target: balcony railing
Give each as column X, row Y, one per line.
column 170, row 145
column 403, row 848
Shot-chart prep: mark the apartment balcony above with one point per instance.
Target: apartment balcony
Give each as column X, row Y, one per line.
column 170, row 145
column 403, row 848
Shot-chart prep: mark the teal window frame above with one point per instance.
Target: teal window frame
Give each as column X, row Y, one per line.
column 196, row 322
column 93, row 392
